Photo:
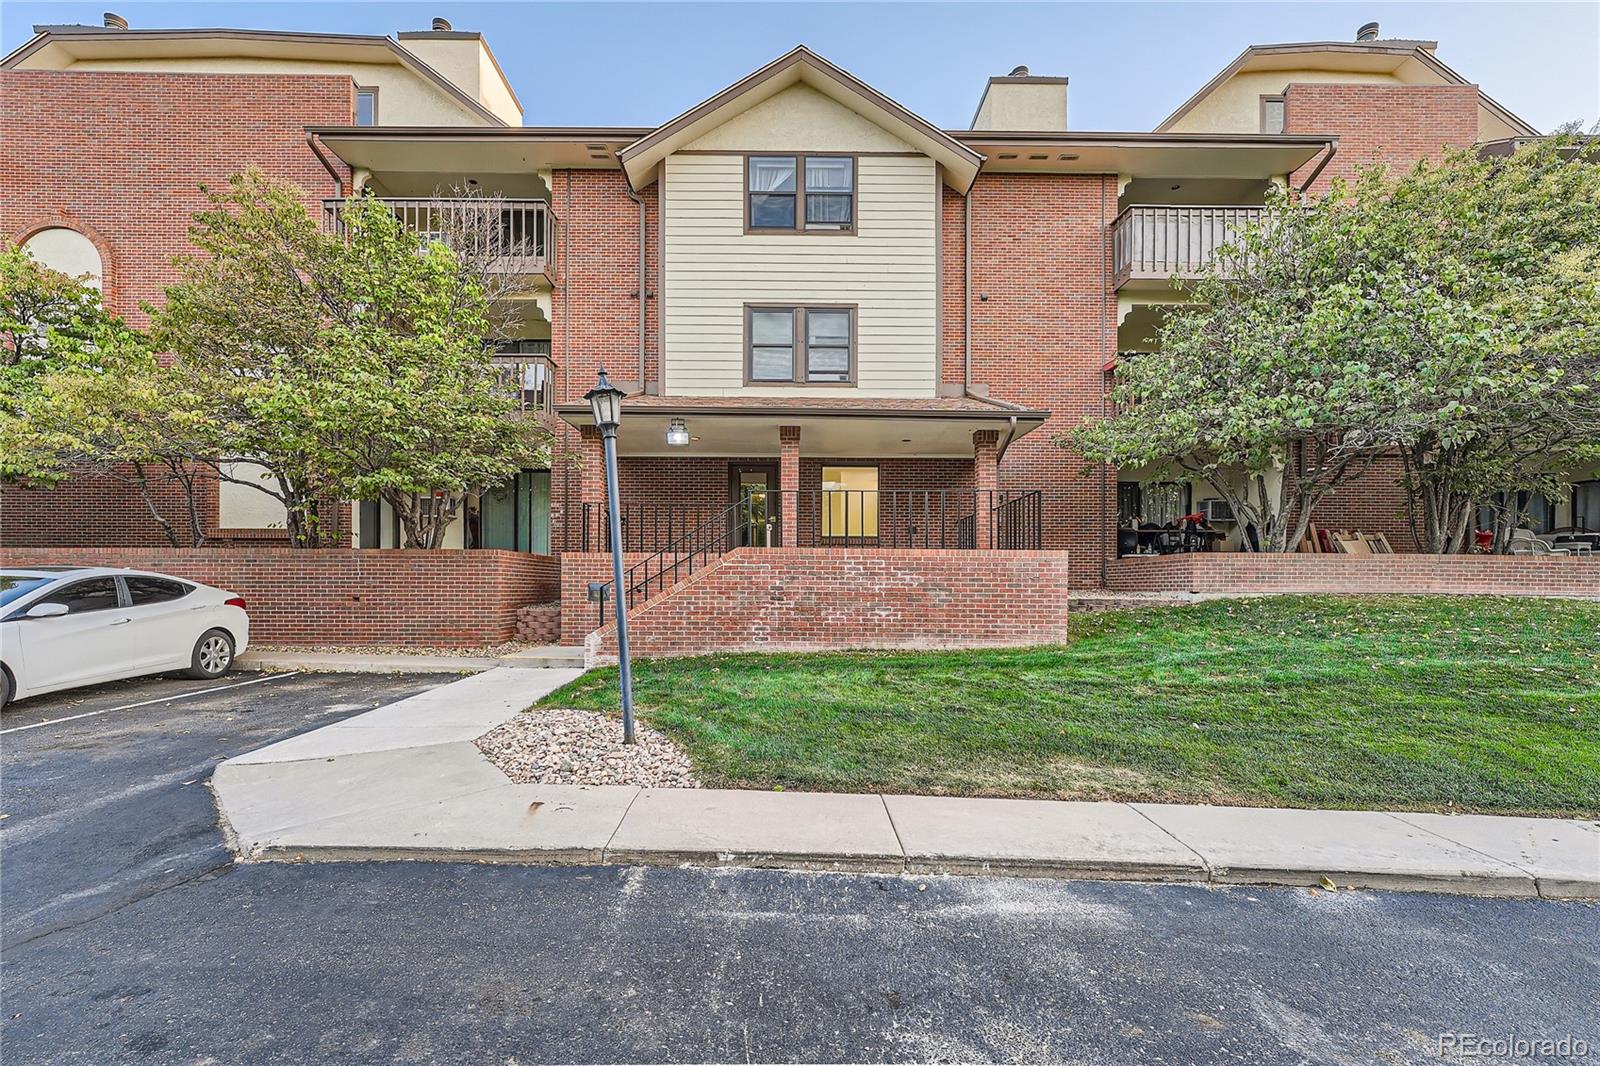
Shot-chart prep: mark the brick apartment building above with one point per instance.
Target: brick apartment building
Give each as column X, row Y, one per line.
column 836, row 323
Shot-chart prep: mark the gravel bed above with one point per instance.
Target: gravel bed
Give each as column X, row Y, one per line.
column 556, row 746
column 486, row 651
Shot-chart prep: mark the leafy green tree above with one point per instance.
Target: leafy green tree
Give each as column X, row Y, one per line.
column 1449, row 316
column 46, row 318
column 1254, row 387
column 348, row 362
column 1480, row 286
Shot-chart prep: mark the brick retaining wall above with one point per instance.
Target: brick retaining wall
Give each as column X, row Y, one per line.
column 1469, row 575
column 819, row 599
column 444, row 598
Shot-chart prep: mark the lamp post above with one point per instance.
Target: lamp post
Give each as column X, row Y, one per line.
column 605, row 401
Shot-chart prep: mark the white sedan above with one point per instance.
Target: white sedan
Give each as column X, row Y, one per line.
column 65, row 626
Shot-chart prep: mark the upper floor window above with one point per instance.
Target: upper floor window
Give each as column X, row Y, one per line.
column 796, row 193
column 800, row 345
column 1272, row 114
column 366, row 106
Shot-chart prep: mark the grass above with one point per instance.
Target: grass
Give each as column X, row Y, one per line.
column 1386, row 702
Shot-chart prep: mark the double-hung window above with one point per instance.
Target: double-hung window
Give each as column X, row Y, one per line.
column 800, row 345
column 800, row 193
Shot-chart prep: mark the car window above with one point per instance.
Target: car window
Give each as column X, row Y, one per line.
column 147, row 590
column 13, row 586
column 95, row 594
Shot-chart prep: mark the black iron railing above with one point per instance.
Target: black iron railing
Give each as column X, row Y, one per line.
column 646, row 527
column 1001, row 519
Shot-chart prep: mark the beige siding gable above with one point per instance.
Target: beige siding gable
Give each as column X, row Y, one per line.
column 713, row 268
column 799, row 119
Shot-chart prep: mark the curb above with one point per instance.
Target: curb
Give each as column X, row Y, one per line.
column 1507, row 887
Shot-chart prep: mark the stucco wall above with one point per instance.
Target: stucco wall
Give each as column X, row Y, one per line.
column 404, row 98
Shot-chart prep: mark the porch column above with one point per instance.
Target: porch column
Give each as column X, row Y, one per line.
column 591, row 490
column 788, row 486
column 986, row 480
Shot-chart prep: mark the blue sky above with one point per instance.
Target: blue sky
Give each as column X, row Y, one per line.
column 1130, row 64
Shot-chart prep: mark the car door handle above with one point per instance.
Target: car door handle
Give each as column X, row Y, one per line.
column 122, row 621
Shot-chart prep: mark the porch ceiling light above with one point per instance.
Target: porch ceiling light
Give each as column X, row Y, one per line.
column 678, row 432
column 605, row 401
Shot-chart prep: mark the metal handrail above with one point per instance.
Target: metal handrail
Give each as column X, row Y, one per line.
column 701, row 543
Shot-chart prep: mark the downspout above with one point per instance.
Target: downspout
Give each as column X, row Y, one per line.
column 643, row 230
column 316, row 149
column 1333, row 150
column 1010, row 434
column 967, row 285
column 1106, row 544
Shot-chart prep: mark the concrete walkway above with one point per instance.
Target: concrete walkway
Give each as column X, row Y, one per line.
column 536, row 657
column 406, row 782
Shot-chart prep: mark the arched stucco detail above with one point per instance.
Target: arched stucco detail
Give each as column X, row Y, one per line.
column 64, row 249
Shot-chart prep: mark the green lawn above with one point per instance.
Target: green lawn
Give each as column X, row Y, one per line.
column 1413, row 703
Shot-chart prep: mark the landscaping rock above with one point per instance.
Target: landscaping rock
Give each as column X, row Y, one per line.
column 553, row 746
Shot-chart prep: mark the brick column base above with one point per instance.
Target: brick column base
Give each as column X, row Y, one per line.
column 788, row 486
column 986, row 479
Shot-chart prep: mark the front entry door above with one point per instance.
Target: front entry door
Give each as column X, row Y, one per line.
column 752, row 488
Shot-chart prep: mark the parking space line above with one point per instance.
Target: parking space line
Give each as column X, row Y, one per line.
column 146, row 703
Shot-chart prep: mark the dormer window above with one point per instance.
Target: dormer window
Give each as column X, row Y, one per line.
column 800, row 194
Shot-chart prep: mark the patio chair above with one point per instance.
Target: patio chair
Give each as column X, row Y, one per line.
column 1523, row 542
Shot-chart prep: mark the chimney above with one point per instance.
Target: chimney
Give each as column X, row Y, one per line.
column 441, row 25
column 1369, row 32
column 1023, row 101
column 114, row 21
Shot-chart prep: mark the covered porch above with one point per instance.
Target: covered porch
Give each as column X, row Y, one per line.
column 812, row 473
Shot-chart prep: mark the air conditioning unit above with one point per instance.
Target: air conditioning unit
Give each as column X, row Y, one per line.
column 1216, row 510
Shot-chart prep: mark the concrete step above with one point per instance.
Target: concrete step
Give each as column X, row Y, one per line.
column 544, row 657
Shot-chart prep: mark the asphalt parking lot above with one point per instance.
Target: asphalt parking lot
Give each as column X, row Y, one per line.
column 130, row 936
column 104, row 793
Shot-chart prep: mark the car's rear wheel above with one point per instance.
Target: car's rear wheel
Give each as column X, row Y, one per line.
column 213, row 655
column 6, row 688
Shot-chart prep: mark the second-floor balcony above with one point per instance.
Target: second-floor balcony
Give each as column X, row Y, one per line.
column 516, row 236
column 1159, row 243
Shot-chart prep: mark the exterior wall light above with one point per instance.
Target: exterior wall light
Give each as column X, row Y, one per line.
column 678, row 433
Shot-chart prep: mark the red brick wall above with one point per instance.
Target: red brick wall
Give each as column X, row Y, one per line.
column 334, row 596
column 120, row 158
column 1243, row 573
column 1391, row 124
column 595, row 307
column 817, row 599
column 1372, row 503
column 578, row 569
column 1043, row 327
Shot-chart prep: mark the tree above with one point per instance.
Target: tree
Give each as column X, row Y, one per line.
column 1254, row 386
column 349, row 361
column 1480, row 292
column 46, row 318
column 1449, row 317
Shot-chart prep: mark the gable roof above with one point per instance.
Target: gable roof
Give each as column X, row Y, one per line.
column 306, row 45
column 800, row 66
column 1398, row 50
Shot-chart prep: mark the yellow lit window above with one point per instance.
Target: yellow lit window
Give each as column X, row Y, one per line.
column 849, row 501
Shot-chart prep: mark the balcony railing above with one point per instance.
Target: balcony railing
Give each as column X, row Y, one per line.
column 518, row 236
column 1157, row 243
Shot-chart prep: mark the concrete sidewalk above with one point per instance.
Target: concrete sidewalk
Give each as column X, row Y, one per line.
column 405, row 781
column 536, row 657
